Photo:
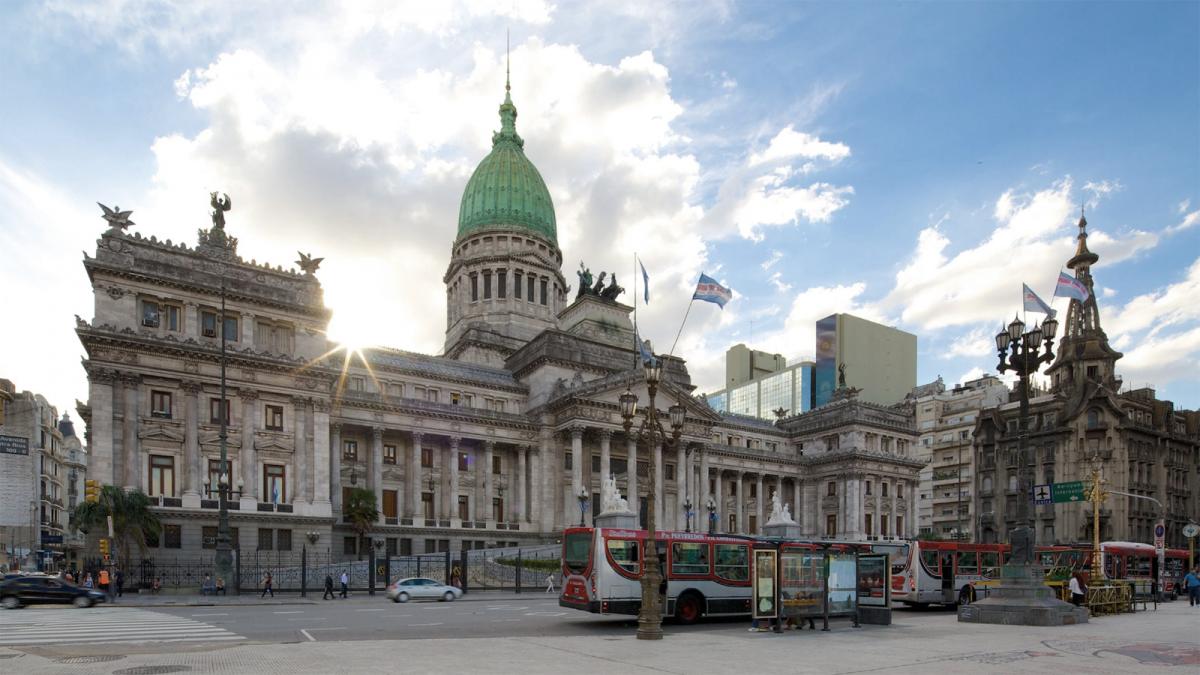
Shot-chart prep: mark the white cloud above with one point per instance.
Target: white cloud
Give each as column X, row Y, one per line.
column 972, row 374
column 776, row 256
column 1189, row 220
column 1107, row 292
column 789, row 144
column 770, row 201
column 1102, row 188
column 779, row 284
column 978, row 342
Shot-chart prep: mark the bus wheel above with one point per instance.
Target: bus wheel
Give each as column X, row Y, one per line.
column 688, row 608
column 966, row 596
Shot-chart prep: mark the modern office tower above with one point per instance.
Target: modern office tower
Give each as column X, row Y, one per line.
column 789, row 390
column 879, row 360
column 743, row 365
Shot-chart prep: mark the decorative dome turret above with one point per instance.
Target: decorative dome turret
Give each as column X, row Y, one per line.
column 506, row 190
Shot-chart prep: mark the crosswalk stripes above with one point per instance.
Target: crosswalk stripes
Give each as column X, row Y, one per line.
column 38, row 626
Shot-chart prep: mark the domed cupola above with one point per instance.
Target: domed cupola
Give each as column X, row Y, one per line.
column 506, row 190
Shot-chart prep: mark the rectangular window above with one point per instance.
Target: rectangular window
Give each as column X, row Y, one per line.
column 150, row 314
column 274, row 483
column 172, row 536
column 208, row 324
column 208, row 537
column 498, row 509
column 350, row 450
column 358, row 383
column 160, row 404
column 427, row 505
column 427, row 457
column 868, row 487
column 689, row 558
column 596, row 464
column 883, row 488
column 389, row 454
column 567, row 461
column 618, row 466
column 497, row 464
column 831, row 526
column 464, row 507
column 162, row 476
column 390, row 547
column 624, row 552
column 899, row 526
column 464, row 461
column 214, row 411
column 731, row 561
column 545, row 287
column 390, row 502
column 669, row 472
column 431, row 395
column 474, row 288
column 529, row 281
column 231, row 329
column 754, row 490
column 283, row 540
column 831, row 489
column 274, row 417
column 487, row 285
column 643, row 471
column 396, row 389
column 214, row 475
column 869, row 525
column 455, row 398
column 502, row 284
column 350, row 545
column 265, row 539
column 517, row 285
column 272, row 337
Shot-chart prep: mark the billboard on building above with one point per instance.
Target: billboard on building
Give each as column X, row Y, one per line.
column 825, row 377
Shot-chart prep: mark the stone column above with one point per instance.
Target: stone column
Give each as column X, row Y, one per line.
column 335, row 466
column 249, row 456
column 521, row 488
column 300, row 453
column 878, row 506
column 631, row 475
column 100, row 436
column 191, row 321
column 489, row 447
column 909, row 528
column 758, row 504
column 454, row 441
column 854, row 512
column 132, row 451
column 536, row 483
column 738, row 500
column 576, row 465
column 681, row 484
column 704, row 493
column 818, row 492
column 778, row 491
column 719, row 500
column 545, row 482
column 605, row 454
column 414, row 478
column 326, row 478
column 191, row 442
column 895, row 489
column 375, row 469
column 659, row 494
column 797, row 498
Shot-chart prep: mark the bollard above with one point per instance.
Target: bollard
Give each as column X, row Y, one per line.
column 304, row 571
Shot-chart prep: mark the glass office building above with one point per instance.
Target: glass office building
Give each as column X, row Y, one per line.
column 789, row 389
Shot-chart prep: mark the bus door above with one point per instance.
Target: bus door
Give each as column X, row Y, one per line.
column 948, row 577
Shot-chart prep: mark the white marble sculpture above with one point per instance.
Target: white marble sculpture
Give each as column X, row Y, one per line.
column 781, row 514
column 611, row 500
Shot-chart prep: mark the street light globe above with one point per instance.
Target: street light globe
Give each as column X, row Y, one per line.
column 1016, row 328
column 628, row 402
column 653, row 372
column 677, row 414
column 1050, row 327
column 1002, row 341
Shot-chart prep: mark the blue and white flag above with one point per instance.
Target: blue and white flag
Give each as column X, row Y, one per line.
column 646, row 354
column 708, row 290
column 1035, row 304
column 1070, row 287
column 275, row 493
column 645, row 282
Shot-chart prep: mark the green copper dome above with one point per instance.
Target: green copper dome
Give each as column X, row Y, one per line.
column 506, row 189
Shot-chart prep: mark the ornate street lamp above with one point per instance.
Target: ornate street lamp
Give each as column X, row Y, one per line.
column 1018, row 351
column 583, row 504
column 651, row 429
column 712, row 515
column 687, row 513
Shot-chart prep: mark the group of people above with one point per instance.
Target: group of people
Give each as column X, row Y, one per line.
column 112, row 583
column 345, row 581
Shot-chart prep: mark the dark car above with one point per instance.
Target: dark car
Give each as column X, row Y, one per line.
column 42, row 590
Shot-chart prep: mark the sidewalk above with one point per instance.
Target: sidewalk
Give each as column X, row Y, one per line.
column 252, row 598
column 1162, row 642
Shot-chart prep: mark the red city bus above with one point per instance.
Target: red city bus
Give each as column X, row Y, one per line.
column 705, row 575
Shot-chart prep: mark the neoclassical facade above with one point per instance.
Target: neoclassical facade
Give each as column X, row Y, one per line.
column 492, row 442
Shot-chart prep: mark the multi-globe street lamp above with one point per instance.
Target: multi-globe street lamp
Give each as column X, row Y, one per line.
column 688, row 513
column 1020, row 352
column 712, row 515
column 583, row 505
column 651, row 429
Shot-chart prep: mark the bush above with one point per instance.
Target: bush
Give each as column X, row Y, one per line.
column 538, row 564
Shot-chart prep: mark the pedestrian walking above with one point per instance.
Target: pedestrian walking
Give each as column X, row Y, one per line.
column 329, row 588
column 87, row 581
column 550, row 582
column 120, row 582
column 103, row 580
column 268, row 586
column 1078, row 590
column 345, row 583
column 1192, row 583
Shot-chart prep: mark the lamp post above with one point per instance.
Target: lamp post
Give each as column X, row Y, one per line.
column 583, row 504
column 650, row 612
column 712, row 516
column 223, row 560
column 687, row 513
column 1018, row 351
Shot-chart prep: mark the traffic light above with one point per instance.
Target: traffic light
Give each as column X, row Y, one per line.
column 91, row 491
column 104, row 547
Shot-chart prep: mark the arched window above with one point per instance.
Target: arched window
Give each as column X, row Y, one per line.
column 987, row 483
column 1093, row 418
column 1012, row 482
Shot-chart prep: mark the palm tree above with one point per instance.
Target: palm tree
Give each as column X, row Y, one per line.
column 360, row 509
column 132, row 519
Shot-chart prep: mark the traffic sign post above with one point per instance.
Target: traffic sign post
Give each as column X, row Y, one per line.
column 1041, row 495
column 1068, row 492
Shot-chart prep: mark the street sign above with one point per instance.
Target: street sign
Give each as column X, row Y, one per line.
column 110, row 527
column 1068, row 492
column 1160, row 535
column 1191, row 530
column 14, row 445
column 1041, row 495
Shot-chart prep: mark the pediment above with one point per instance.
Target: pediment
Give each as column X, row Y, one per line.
column 231, row 440
column 608, row 391
column 273, row 442
column 159, row 432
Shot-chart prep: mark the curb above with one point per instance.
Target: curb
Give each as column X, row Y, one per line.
column 381, row 595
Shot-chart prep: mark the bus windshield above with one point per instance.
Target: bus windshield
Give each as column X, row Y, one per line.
column 577, row 551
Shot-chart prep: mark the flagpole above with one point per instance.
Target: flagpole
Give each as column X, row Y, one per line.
column 681, row 324
column 636, row 347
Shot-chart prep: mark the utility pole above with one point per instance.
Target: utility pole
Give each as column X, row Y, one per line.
column 1096, row 495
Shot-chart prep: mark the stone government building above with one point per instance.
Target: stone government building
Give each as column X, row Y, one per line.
column 489, row 443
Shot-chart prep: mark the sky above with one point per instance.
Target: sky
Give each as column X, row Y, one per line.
column 909, row 163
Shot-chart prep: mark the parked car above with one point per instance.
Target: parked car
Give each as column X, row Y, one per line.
column 41, row 590
column 419, row 588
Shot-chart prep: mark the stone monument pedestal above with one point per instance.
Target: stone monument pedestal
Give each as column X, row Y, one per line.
column 782, row 530
column 618, row 519
column 1022, row 599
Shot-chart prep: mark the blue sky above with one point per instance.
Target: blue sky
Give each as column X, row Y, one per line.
column 912, row 163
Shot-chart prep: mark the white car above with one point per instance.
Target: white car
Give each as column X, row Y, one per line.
column 417, row 588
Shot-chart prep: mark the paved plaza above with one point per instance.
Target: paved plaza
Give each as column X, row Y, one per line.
column 532, row 637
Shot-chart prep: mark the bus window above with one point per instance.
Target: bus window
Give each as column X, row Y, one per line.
column 989, row 562
column 968, row 563
column 689, row 558
column 1047, row 558
column 1110, row 566
column 624, row 552
column 731, row 562
column 929, row 558
column 577, row 551
column 1138, row 566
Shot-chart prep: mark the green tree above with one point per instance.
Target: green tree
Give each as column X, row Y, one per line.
column 132, row 519
column 361, row 510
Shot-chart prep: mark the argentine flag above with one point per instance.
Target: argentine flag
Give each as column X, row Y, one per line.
column 708, row 290
column 1070, row 287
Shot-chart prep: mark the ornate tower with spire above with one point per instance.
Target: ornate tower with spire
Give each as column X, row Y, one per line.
column 1084, row 355
column 504, row 284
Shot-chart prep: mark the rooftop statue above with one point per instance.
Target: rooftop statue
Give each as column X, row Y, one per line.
column 307, row 263
column 589, row 285
column 117, row 219
column 214, row 241
column 612, row 290
column 220, row 206
column 585, row 280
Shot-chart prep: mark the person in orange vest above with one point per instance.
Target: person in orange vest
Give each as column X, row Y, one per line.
column 104, row 580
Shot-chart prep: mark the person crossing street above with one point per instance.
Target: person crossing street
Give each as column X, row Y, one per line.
column 329, row 588
column 1192, row 583
column 345, row 583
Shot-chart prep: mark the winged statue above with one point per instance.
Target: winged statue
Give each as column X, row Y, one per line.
column 117, row 219
column 307, row 263
column 220, row 203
